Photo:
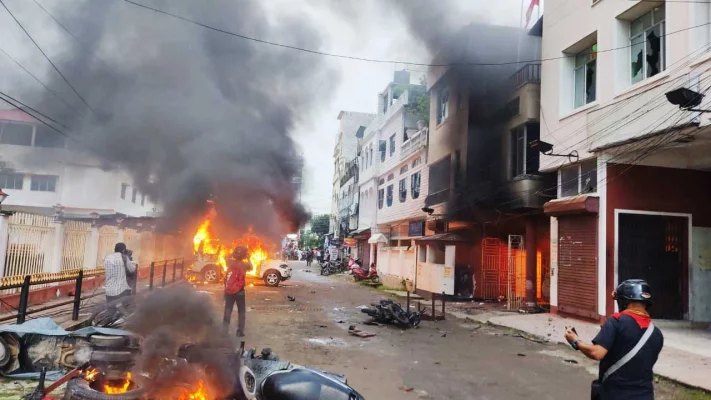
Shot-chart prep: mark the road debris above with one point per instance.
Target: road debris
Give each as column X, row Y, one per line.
column 406, row 389
column 291, row 298
column 521, row 355
column 351, row 327
column 361, row 334
column 312, row 291
column 571, row 361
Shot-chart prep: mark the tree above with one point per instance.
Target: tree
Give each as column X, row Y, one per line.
column 319, row 224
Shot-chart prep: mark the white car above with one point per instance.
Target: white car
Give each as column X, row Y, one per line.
column 272, row 272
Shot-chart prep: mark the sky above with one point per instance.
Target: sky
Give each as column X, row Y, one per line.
column 373, row 29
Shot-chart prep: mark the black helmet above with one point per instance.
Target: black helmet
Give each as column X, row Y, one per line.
column 240, row 253
column 632, row 290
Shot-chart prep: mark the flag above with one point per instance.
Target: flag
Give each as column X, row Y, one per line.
column 530, row 11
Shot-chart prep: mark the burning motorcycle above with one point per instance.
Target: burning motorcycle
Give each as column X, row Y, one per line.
column 360, row 274
column 387, row 312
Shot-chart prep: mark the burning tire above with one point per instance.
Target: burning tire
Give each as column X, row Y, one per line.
column 272, row 278
column 80, row 389
column 211, row 273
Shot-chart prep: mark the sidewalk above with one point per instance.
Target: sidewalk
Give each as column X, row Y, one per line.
column 685, row 358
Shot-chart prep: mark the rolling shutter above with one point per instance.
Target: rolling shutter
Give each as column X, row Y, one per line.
column 577, row 265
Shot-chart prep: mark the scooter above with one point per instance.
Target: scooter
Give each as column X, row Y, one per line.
column 360, row 274
column 387, row 312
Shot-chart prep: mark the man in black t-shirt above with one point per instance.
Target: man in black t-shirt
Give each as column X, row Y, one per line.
column 619, row 335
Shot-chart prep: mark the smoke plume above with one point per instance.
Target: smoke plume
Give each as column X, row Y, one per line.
column 192, row 113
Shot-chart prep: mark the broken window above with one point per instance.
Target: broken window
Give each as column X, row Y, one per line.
column 403, row 190
column 17, row 134
column 381, row 195
column 646, row 45
column 443, row 106
column 392, row 145
column 569, row 180
column 588, row 176
column 390, row 195
column 585, row 76
column 415, row 185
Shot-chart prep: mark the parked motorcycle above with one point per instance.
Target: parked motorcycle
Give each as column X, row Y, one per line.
column 360, row 274
column 388, row 312
column 331, row 267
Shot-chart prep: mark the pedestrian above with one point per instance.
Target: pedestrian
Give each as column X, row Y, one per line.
column 116, row 267
column 319, row 256
column 627, row 346
column 309, row 257
column 237, row 267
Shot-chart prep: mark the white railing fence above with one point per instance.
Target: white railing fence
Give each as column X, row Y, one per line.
column 74, row 247
column 30, row 244
column 108, row 236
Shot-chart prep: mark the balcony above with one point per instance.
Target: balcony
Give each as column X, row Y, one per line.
column 437, row 198
column 530, row 73
column 415, row 142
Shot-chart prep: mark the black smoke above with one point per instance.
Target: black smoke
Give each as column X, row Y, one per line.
column 193, row 114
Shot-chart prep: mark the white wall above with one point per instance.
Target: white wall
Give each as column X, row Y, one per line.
column 700, row 275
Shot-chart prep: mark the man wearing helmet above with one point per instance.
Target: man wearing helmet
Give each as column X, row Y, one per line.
column 237, row 267
column 627, row 346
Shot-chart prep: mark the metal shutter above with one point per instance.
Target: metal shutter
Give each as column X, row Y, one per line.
column 577, row 265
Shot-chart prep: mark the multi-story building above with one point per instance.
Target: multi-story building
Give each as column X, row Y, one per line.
column 633, row 183
column 44, row 174
column 344, row 151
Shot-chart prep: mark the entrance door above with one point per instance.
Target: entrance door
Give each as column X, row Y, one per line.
column 653, row 248
column 577, row 265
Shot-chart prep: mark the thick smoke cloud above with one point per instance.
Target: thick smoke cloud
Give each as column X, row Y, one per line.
column 193, row 114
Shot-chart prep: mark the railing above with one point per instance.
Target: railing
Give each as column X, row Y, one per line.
column 24, row 283
column 437, row 197
column 415, row 142
column 530, row 73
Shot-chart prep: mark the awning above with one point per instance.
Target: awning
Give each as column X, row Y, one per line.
column 445, row 237
column 362, row 234
column 576, row 205
column 378, row 238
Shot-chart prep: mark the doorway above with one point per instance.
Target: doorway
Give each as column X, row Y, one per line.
column 655, row 248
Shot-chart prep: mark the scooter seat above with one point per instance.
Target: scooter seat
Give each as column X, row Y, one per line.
column 304, row 384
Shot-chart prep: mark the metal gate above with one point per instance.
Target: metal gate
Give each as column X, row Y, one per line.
column 76, row 235
column 493, row 283
column 577, row 265
column 108, row 236
column 30, row 244
column 516, row 273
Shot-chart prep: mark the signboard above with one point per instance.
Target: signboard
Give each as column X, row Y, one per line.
column 416, row 228
column 349, row 242
column 435, row 278
column 333, row 252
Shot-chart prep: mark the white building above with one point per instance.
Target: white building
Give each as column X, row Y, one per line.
column 393, row 181
column 343, row 152
column 632, row 195
column 41, row 173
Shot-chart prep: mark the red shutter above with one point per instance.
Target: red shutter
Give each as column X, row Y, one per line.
column 577, row 265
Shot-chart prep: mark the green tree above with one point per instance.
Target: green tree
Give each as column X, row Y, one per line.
column 319, row 224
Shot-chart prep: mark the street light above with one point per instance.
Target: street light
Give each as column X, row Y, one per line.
column 3, row 196
column 546, row 148
column 686, row 99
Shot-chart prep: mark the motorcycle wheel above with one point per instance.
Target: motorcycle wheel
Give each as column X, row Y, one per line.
column 375, row 279
column 415, row 319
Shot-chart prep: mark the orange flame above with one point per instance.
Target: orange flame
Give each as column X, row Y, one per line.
column 90, row 374
column 118, row 388
column 258, row 255
column 199, row 394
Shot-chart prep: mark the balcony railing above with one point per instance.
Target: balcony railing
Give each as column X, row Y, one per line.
column 415, row 142
column 530, row 73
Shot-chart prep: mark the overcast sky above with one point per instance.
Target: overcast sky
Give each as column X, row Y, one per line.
column 363, row 28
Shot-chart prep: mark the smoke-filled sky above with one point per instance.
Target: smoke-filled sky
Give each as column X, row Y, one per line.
column 195, row 113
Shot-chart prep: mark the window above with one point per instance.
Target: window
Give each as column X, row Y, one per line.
column 46, row 137
column 17, row 134
column 585, row 76
column 403, row 190
column 143, row 200
column 381, row 195
column 415, row 185
column 646, row 45
column 381, row 181
column 124, row 187
column 443, row 106
column 391, row 177
column 133, row 196
column 416, row 162
column 579, row 179
column 383, row 149
column 371, row 154
column 403, row 169
column 524, row 159
column 43, row 183
column 404, row 135
column 11, row 181
column 390, row 195
column 392, row 145
column 440, row 175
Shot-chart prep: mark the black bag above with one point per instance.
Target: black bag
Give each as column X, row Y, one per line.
column 595, row 390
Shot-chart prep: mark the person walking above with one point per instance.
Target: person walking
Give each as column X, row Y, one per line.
column 117, row 266
column 237, row 267
column 627, row 346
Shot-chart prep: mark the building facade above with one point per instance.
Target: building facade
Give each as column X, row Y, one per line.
column 630, row 193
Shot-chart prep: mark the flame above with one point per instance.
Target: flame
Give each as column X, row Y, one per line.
column 117, row 388
column 258, row 255
column 90, row 374
column 200, row 393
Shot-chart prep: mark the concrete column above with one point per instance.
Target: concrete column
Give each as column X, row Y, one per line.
column 4, row 237
column 531, row 261
column 92, row 249
column 55, row 261
column 372, row 253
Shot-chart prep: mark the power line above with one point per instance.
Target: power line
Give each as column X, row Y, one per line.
column 30, row 108
column 373, row 60
column 45, row 56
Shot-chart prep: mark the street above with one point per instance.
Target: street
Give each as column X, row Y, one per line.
column 449, row 359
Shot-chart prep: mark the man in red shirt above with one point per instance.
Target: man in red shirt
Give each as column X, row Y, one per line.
column 237, row 267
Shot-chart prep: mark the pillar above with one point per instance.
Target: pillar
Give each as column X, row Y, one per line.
column 91, row 249
column 372, row 253
column 4, row 237
column 531, row 261
column 55, row 261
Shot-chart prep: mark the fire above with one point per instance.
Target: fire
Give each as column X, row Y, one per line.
column 258, row 255
column 90, row 374
column 199, row 394
column 118, row 387
column 204, row 243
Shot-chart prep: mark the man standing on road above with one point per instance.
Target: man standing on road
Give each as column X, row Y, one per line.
column 116, row 267
column 627, row 346
column 237, row 268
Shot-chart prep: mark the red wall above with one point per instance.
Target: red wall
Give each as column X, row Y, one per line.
column 653, row 189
